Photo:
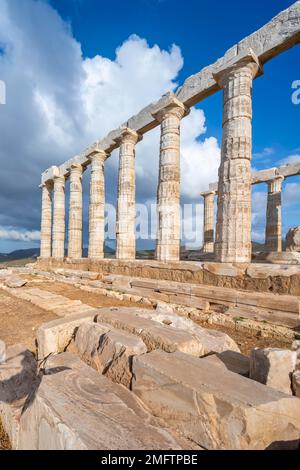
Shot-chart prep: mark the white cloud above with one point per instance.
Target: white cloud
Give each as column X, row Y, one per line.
column 59, row 102
column 17, row 235
column 266, row 152
column 291, row 159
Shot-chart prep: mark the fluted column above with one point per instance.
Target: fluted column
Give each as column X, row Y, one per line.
column 58, row 242
column 233, row 235
column 97, row 206
column 274, row 224
column 75, row 213
column 46, row 220
column 125, row 224
column 208, row 222
column 168, row 192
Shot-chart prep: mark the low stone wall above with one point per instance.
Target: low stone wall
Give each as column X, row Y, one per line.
column 276, row 279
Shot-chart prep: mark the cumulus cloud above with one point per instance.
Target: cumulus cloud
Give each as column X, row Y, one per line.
column 58, row 102
column 17, row 235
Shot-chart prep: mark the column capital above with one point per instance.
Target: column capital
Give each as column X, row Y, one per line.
column 76, row 168
column 274, row 184
column 172, row 107
column 98, row 154
column 208, row 193
column 128, row 136
column 248, row 61
column 59, row 179
column 46, row 184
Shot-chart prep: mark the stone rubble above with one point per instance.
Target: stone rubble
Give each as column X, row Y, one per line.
column 273, row 367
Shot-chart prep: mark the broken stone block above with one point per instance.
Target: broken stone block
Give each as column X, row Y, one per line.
column 2, row 352
column 154, row 335
column 296, row 383
column 115, row 354
column 56, row 335
column 87, row 342
column 293, row 239
column 14, row 282
column 18, row 380
column 230, row 360
column 76, row 408
column 215, row 408
column 169, row 332
column 273, row 367
column 210, row 340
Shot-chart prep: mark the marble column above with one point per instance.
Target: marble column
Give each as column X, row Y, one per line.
column 46, row 220
column 233, row 234
column 58, row 241
column 75, row 213
column 97, row 206
column 273, row 240
column 168, row 191
column 208, row 222
column 125, row 223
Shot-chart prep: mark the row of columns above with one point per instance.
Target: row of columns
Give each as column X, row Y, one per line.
column 273, row 235
column 168, row 198
column 233, row 233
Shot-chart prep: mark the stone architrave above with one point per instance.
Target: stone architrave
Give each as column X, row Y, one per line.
column 233, row 236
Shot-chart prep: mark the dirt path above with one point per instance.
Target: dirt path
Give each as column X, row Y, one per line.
column 19, row 320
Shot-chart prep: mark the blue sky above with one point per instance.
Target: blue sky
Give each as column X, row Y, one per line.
column 55, row 54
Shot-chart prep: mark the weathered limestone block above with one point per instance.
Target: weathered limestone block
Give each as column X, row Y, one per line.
column 155, row 336
column 296, row 383
column 230, row 360
column 2, row 352
column 233, row 236
column 97, row 204
column 210, row 340
column 46, row 220
column 15, row 282
column 273, row 240
column 273, row 367
column 214, row 407
column 293, row 239
column 125, row 223
column 115, row 354
column 18, row 379
column 75, row 213
column 77, row 408
column 56, row 335
column 87, row 342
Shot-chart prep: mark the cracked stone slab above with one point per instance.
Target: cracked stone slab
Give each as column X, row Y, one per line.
column 214, row 407
column 76, row 408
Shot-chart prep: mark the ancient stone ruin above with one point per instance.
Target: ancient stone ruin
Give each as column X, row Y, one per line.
column 170, row 369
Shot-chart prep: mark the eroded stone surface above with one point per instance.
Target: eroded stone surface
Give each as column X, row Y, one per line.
column 293, row 239
column 2, row 352
column 18, row 379
column 215, row 407
column 56, row 335
column 296, row 383
column 77, row 408
column 14, row 282
column 230, row 360
column 273, row 367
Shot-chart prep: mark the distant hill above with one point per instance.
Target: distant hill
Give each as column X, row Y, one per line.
column 33, row 253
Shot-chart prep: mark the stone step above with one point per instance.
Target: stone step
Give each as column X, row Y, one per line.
column 214, row 407
column 76, row 408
